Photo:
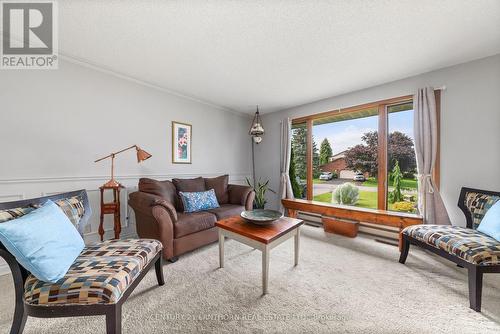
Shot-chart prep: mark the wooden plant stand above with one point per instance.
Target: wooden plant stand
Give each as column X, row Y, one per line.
column 348, row 228
column 111, row 208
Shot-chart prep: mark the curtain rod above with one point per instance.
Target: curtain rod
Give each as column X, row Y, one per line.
column 441, row 88
column 338, row 110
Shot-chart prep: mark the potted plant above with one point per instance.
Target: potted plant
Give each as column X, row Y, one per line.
column 260, row 193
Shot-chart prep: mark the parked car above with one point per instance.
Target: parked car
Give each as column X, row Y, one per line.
column 327, row 176
column 359, row 177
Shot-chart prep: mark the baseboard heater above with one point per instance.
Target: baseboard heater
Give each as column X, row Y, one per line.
column 387, row 234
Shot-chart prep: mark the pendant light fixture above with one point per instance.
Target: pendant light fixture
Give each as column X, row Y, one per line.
column 256, row 130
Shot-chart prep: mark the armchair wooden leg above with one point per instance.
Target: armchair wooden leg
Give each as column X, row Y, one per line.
column 19, row 321
column 114, row 320
column 18, row 274
column 475, row 288
column 159, row 270
column 405, row 247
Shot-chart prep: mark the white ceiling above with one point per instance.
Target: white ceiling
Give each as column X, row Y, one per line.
column 276, row 54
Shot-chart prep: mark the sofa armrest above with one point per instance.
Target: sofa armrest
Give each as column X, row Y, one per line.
column 241, row 195
column 143, row 202
column 155, row 218
column 167, row 205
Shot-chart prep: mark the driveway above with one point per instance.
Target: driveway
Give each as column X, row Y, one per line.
column 328, row 186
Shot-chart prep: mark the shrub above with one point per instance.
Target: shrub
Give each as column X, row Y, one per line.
column 397, row 176
column 409, row 175
column 346, row 193
column 403, row 206
column 297, row 190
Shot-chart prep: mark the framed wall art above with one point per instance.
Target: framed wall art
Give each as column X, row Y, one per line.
column 181, row 143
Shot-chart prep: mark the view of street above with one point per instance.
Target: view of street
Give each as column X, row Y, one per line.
column 329, row 186
column 322, row 191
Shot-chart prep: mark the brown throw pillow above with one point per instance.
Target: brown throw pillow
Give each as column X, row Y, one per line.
column 219, row 185
column 164, row 189
column 187, row 185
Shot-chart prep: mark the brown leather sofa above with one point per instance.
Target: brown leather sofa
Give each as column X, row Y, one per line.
column 159, row 212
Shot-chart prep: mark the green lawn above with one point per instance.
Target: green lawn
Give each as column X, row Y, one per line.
column 367, row 199
column 405, row 183
column 372, row 182
column 326, row 197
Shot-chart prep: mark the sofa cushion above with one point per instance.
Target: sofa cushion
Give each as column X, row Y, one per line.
column 164, row 189
column 227, row 210
column 188, row 223
column 187, row 185
column 238, row 194
column 100, row 275
column 219, row 184
column 468, row 244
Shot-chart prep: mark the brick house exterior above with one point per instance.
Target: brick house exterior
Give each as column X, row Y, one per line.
column 338, row 165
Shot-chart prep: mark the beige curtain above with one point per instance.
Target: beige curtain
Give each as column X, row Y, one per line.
column 286, row 190
column 430, row 203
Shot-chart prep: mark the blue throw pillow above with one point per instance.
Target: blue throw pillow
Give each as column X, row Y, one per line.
column 199, row 201
column 490, row 224
column 44, row 242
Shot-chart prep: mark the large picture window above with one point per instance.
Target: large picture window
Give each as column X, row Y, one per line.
column 361, row 156
column 346, row 171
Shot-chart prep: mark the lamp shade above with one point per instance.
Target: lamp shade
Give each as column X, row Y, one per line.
column 257, row 130
column 142, row 155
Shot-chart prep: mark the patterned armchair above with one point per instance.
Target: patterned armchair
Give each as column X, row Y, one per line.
column 467, row 247
column 99, row 281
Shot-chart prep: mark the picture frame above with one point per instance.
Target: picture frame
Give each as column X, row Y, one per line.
column 181, row 142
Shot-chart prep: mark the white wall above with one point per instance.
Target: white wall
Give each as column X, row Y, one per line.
column 54, row 124
column 470, row 126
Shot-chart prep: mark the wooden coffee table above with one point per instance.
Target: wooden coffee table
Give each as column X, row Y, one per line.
column 263, row 238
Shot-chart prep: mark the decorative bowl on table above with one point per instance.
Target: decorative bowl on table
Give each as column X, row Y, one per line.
column 261, row 216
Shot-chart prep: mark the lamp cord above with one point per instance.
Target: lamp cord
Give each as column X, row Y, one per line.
column 253, row 162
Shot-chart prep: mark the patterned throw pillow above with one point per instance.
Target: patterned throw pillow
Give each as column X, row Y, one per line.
column 199, row 201
column 478, row 205
column 73, row 208
column 9, row 214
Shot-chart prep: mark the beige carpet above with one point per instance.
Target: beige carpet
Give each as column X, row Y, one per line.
column 340, row 286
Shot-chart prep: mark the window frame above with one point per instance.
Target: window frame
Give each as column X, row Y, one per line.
column 383, row 119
